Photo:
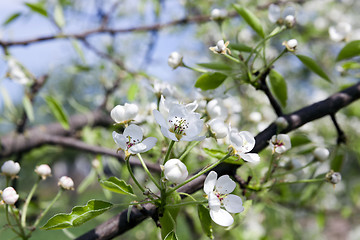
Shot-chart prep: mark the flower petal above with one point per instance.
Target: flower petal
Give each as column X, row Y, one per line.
column 214, row 202
column 160, row 119
column 120, row 140
column 168, row 134
column 210, row 182
column 224, row 185
column 150, row 142
column 274, row 13
column 250, row 157
column 248, row 141
column 134, row 132
column 221, row 217
column 233, row 203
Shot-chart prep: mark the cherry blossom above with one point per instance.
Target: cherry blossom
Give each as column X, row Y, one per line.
column 243, row 142
column 280, row 143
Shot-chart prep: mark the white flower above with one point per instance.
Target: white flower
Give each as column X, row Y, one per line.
column 291, row 44
column 132, row 140
column 218, row 192
column 280, row 143
column 220, row 47
column 124, row 113
column 66, row 183
column 182, row 123
column 9, row 196
column 10, row 168
column 340, row 32
column 175, row 60
column 218, row 127
column 43, row 171
column 289, row 21
column 243, row 142
column 218, row 14
column 16, row 72
column 287, row 17
column 216, row 109
column 321, row 154
column 175, row 171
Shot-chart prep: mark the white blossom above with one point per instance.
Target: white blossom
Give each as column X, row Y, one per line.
column 9, row 196
column 43, row 171
column 175, row 171
column 66, row 183
column 175, row 60
column 218, row 14
column 124, row 113
column 280, row 143
column 216, row 109
column 287, row 16
column 220, row 47
column 218, row 128
column 218, row 191
column 243, row 142
column 340, row 32
column 10, row 168
column 291, row 44
column 132, row 140
column 321, row 154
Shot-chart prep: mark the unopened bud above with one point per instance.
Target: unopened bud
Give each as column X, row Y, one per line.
column 333, row 177
column 9, row 196
column 66, row 183
column 43, row 171
column 289, row 21
column 10, row 168
column 218, row 14
column 175, row 60
column 321, row 154
column 124, row 113
column 175, row 171
column 291, row 45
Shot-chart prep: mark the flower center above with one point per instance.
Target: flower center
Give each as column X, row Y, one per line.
column 278, row 143
column 131, row 142
column 221, row 197
column 179, row 125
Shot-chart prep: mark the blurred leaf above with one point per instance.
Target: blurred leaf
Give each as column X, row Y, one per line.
column 28, row 108
column 298, row 140
column 38, row 8
column 116, row 185
column 59, row 16
column 240, row 47
column 168, row 220
column 215, row 66
column 88, row 180
column 209, row 81
column 218, row 154
column 205, row 220
column 133, row 91
column 313, row 66
column 247, row 205
column 351, row 65
column 7, row 100
column 321, row 219
column 78, row 215
column 11, row 18
column 278, row 88
column 78, row 50
column 251, row 19
column 171, row 236
column 352, row 49
column 337, row 161
column 58, row 111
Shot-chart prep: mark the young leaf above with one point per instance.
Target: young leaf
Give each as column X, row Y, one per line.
column 78, row 49
column 209, row 81
column 11, row 18
column 38, row 8
column 216, row 66
column 171, row 236
column 251, row 19
column 220, row 154
column 116, row 185
column 352, row 49
column 278, row 88
column 349, row 66
column 78, row 215
column 205, row 220
column 168, row 220
column 247, row 205
column 313, row 66
column 240, row 47
column 58, row 111
column 133, row 91
column 59, row 16
column 28, row 108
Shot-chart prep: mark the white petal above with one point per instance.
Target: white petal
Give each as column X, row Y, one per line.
column 250, row 157
column 120, row 140
column 235, row 139
column 118, row 113
column 195, row 138
column 175, row 171
column 150, row 142
column 137, row 148
column 233, row 203
column 214, row 202
column 225, row 185
column 289, row 11
column 160, row 119
column 168, row 134
column 192, row 106
column 274, row 13
column 210, row 182
column 248, row 141
column 131, row 110
column 135, row 132
column 221, row 217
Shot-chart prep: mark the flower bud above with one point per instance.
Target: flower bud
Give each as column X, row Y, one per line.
column 291, row 45
column 43, row 171
column 175, row 171
column 66, row 183
column 216, row 109
column 95, row 163
column 218, row 127
column 10, row 168
column 321, row 154
column 175, row 60
column 124, row 113
column 281, row 122
column 221, row 47
column 218, row 14
column 9, row 196
column 333, row 177
column 289, row 21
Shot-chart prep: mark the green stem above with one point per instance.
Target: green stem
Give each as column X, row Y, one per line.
column 8, row 220
column 232, row 58
column 316, row 180
column 206, row 169
column 48, row 207
column 134, row 203
column 167, row 156
column 277, row 58
column 194, row 69
column 132, row 174
column 186, row 152
column 27, row 201
column 268, row 175
column 294, row 170
column 148, row 172
column 22, row 232
column 188, row 195
column 186, row 203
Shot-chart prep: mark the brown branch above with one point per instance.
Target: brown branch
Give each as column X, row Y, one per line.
column 341, row 135
column 307, row 114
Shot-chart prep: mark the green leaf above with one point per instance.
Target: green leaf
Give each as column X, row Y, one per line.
column 278, row 88
column 12, row 18
column 205, row 220
column 313, row 66
column 240, row 47
column 78, row 215
column 168, row 220
column 133, row 91
column 28, row 108
column 218, row 154
column 351, row 65
column 215, row 66
column 251, row 19
column 116, row 185
column 171, row 236
column 337, row 161
column 79, row 51
column 58, row 111
column 299, row 140
column 247, row 205
column 59, row 16
column 38, row 8
column 209, row 81
column 352, row 49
